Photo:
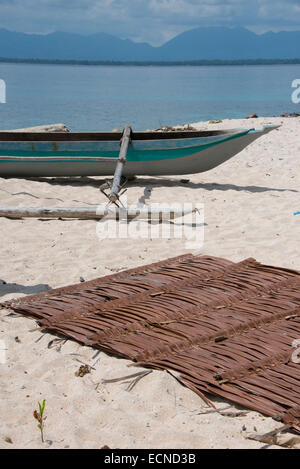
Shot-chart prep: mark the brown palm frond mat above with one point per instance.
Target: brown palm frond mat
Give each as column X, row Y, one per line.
column 227, row 328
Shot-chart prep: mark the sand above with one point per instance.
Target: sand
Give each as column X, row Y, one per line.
column 249, row 204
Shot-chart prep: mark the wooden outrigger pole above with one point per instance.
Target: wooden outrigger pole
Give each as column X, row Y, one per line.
column 116, row 184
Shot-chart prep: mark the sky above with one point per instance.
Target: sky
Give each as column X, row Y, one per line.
column 152, row 21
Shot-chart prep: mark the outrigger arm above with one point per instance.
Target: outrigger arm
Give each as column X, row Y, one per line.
column 116, row 184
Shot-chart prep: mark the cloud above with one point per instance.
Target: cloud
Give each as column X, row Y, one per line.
column 279, row 11
column 152, row 21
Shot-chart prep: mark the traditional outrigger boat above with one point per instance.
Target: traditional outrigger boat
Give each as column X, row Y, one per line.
column 26, row 154
column 157, row 153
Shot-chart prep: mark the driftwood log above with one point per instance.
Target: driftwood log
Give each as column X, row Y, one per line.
column 43, row 128
column 92, row 212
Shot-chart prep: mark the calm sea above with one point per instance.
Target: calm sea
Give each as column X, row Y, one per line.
column 100, row 98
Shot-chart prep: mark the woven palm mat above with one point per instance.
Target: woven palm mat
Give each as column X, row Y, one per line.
column 227, row 328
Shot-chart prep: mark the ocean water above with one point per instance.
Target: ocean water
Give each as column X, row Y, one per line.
column 100, row 98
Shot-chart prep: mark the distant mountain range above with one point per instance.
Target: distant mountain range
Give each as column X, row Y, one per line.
column 210, row 43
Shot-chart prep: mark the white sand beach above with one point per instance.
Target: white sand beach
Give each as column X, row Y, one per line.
column 249, row 206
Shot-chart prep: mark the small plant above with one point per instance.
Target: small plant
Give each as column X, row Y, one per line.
column 40, row 418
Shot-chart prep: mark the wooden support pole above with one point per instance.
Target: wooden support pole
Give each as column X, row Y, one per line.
column 113, row 195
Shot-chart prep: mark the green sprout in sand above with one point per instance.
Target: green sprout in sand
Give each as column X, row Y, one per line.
column 39, row 417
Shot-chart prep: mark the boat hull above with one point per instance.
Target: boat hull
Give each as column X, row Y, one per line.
column 145, row 157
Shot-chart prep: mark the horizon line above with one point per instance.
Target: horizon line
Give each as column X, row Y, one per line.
column 196, row 62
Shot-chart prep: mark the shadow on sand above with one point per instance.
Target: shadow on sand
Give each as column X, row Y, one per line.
column 157, row 182
column 6, row 288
